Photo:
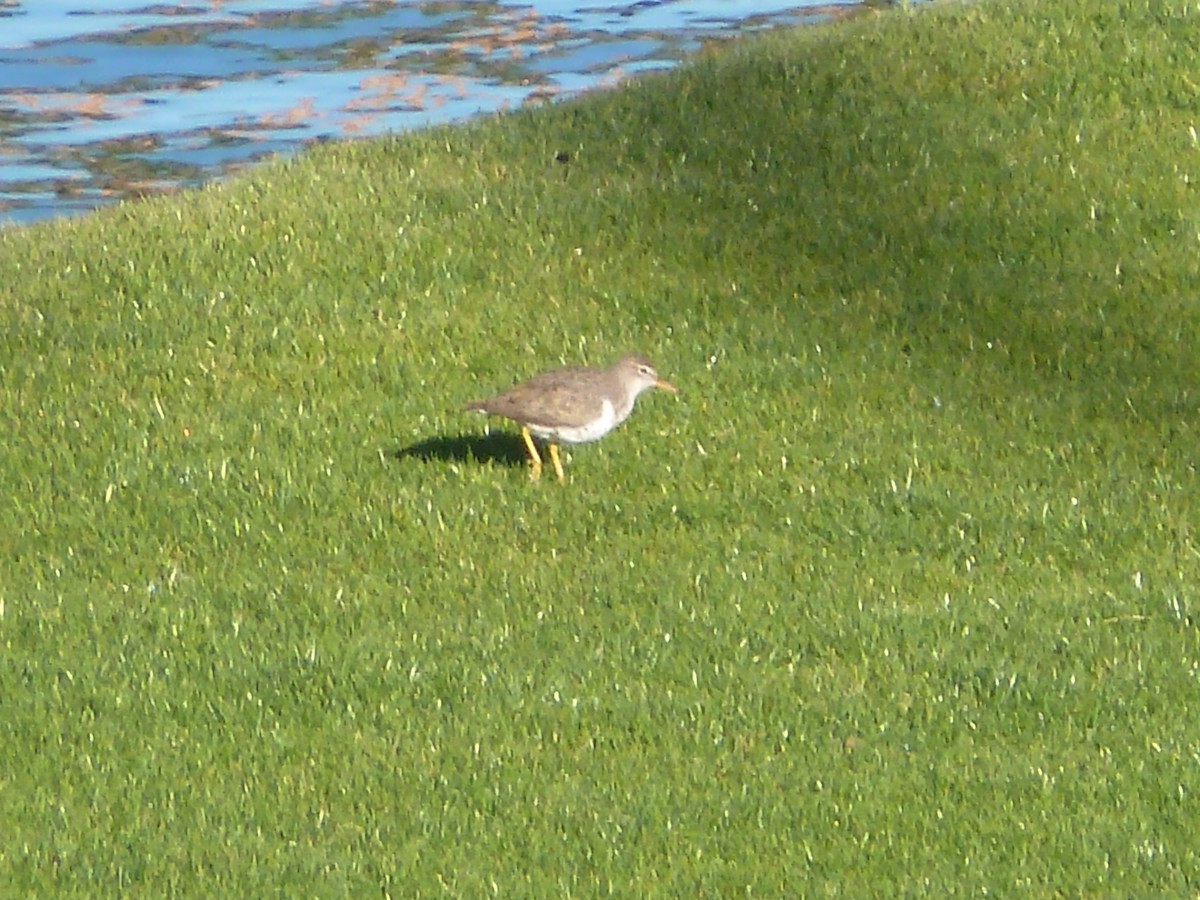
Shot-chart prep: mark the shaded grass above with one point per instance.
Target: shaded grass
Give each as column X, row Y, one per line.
column 897, row 597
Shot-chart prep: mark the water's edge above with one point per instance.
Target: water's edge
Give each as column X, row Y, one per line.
column 102, row 105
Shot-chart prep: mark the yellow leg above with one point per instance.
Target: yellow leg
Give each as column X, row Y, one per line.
column 534, row 460
column 557, row 463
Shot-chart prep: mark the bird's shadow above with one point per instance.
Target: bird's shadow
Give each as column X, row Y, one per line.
column 495, row 447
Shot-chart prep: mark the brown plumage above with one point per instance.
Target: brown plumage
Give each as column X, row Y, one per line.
column 573, row 405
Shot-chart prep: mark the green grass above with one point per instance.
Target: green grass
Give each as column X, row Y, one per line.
column 899, row 596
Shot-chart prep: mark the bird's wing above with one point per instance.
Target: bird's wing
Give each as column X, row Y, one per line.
column 545, row 401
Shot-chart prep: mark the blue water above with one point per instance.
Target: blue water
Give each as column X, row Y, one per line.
column 102, row 100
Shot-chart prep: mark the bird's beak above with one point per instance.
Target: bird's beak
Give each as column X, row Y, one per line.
column 666, row 386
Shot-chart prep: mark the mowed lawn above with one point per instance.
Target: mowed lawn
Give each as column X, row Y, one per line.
column 899, row 595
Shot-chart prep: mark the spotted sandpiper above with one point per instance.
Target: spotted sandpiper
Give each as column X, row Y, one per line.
column 573, row 405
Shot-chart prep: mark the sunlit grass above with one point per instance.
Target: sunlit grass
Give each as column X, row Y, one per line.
column 897, row 595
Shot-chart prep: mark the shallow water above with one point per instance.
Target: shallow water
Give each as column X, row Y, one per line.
column 107, row 99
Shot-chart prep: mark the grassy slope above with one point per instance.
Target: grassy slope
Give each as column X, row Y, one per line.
column 900, row 594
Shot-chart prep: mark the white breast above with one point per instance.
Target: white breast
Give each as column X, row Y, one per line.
column 579, row 434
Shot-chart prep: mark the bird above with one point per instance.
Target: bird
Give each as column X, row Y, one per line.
column 573, row 405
